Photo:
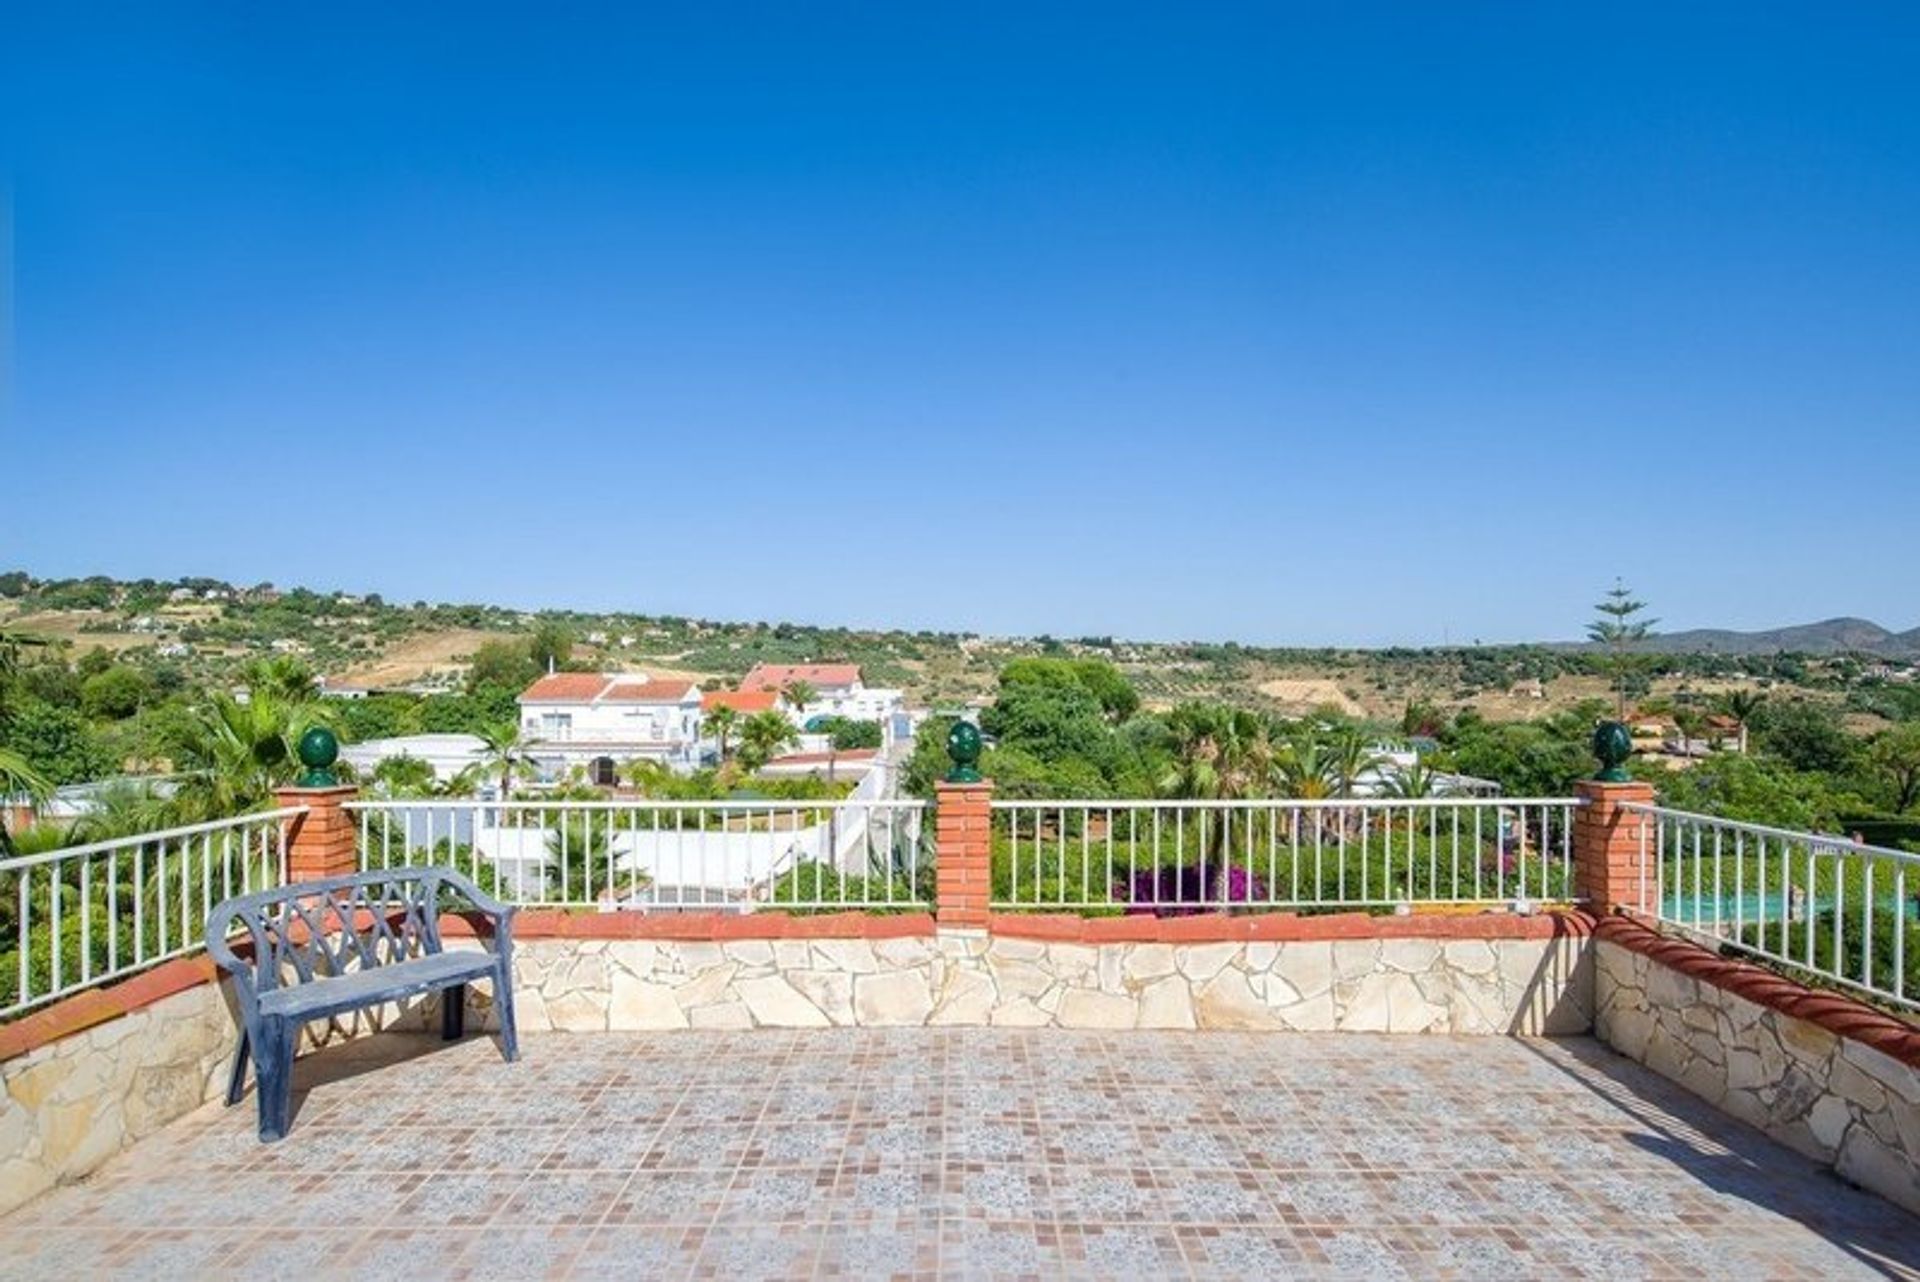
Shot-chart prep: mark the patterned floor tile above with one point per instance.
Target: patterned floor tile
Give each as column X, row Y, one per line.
column 968, row 1153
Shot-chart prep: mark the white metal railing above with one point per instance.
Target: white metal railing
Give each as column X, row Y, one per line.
column 86, row 914
column 1840, row 910
column 665, row 855
column 1187, row 856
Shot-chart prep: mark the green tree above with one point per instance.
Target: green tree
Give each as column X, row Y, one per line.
column 1619, row 629
column 1115, row 695
column 550, row 648
column 927, row 764
column 57, row 742
column 846, row 734
column 1756, row 789
column 1808, row 736
column 116, row 693
column 1893, row 758
column 501, row 665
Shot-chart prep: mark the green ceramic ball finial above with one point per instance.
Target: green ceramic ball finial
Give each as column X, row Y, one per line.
column 318, row 751
column 963, row 746
column 1612, row 744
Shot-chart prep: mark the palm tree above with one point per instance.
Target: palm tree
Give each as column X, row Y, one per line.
column 1351, row 757
column 283, row 677
column 1742, row 706
column 237, row 752
column 724, row 721
column 1411, row 782
column 18, row 778
column 650, row 778
column 580, row 860
column 122, row 808
column 762, row 737
column 1307, row 769
column 800, row 695
column 504, row 754
column 1221, row 754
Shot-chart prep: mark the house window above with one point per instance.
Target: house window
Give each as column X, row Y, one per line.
column 556, row 725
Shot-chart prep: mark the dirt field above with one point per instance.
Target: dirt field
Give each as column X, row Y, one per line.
column 418, row 656
column 429, row 654
column 71, row 627
column 1294, row 694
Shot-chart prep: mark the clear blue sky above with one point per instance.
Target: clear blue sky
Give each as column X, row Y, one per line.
column 1284, row 324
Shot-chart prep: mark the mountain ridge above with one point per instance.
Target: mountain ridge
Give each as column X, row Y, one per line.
column 1842, row 635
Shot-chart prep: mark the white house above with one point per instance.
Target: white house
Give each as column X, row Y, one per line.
column 838, row 692
column 578, row 718
column 448, row 754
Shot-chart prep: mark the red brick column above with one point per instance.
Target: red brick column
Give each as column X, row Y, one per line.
column 1608, row 845
column 963, row 854
column 322, row 842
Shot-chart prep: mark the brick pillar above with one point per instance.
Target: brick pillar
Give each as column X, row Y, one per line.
column 322, row 842
column 963, row 854
column 1607, row 845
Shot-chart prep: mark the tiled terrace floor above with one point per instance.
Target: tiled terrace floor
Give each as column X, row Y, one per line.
column 967, row 1154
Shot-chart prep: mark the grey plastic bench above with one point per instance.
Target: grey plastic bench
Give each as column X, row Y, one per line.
column 320, row 948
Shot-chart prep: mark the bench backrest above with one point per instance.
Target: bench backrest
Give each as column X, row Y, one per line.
column 335, row 926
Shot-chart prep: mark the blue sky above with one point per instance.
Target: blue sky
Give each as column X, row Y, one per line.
column 1314, row 324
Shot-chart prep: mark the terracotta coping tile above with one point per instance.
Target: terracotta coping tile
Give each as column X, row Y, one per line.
column 95, row 1006
column 1284, row 926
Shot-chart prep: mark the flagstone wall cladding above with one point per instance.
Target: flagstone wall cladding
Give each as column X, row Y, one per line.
column 71, row 1104
column 1837, row 1099
column 1479, row 986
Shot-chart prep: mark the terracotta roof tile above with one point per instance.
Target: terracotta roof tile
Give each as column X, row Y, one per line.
column 587, row 687
column 648, row 692
column 565, row 687
column 740, row 700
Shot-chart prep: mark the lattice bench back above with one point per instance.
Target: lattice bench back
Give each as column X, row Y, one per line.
column 336, row 926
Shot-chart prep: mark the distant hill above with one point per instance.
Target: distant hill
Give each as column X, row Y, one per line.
column 1830, row 636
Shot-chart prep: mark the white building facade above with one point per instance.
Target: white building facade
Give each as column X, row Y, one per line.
column 579, row 718
column 838, row 691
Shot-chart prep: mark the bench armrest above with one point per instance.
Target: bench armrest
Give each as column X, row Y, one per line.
column 218, row 935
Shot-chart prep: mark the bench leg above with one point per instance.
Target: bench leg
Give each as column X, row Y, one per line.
column 237, row 1079
column 453, row 1012
column 503, row 1003
column 273, row 1076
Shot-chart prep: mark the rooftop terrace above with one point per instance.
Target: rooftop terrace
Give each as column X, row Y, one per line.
column 869, row 1153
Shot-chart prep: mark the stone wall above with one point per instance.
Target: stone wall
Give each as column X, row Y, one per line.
column 71, row 1103
column 74, row 1103
column 1402, row 985
column 1834, row 1097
